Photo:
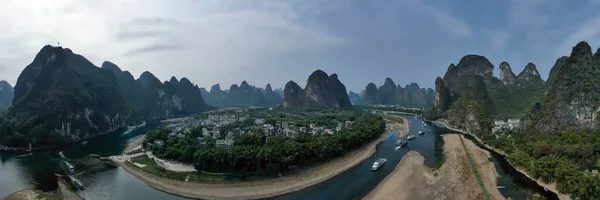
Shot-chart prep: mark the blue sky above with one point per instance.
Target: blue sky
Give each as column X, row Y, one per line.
column 226, row 42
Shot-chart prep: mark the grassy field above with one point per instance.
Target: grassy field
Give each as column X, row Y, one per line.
column 153, row 168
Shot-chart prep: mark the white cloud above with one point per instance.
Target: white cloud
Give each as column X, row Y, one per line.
column 442, row 18
column 202, row 40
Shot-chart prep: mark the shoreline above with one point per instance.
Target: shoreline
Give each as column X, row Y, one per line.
column 265, row 188
column 550, row 186
column 455, row 179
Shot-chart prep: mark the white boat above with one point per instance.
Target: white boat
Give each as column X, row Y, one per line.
column 425, row 125
column 421, row 132
column 377, row 164
column 397, row 147
column 410, row 137
column 401, row 143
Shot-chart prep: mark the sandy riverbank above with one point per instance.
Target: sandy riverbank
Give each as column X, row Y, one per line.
column 135, row 144
column 264, row 188
column 455, row 179
column 26, row 194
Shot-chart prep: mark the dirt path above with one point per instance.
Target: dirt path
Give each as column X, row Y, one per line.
column 264, row 188
column 453, row 180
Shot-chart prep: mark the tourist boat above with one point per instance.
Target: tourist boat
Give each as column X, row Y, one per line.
column 69, row 167
column 78, row 184
column 377, row 164
column 421, row 132
column 401, row 143
column 410, row 137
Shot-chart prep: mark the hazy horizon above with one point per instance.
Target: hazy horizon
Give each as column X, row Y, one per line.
column 262, row 42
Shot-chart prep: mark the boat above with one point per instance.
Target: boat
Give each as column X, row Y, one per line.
column 378, row 163
column 78, row 184
column 410, row 137
column 421, row 132
column 425, row 125
column 397, row 147
column 401, row 143
column 69, row 167
column 501, row 187
column 84, row 142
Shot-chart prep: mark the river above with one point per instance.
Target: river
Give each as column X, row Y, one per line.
column 105, row 181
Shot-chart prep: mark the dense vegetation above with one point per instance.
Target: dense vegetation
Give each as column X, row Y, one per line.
column 61, row 89
column 557, row 156
column 253, row 153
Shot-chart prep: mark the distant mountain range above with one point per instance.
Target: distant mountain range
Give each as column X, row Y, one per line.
column 62, row 97
column 243, row 95
column 321, row 91
column 391, row 94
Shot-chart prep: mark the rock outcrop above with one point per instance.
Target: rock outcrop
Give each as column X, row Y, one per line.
column 508, row 97
column 6, row 94
column 472, row 110
column 272, row 97
column 62, row 97
column 391, row 94
column 469, row 65
column 530, row 77
column 443, row 97
column 371, row 96
column 354, row 98
column 572, row 102
column 321, row 91
column 242, row 95
column 507, row 77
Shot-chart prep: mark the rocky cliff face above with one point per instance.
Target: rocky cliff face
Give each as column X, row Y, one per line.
column 293, row 95
column 387, row 92
column 371, row 96
column 6, row 95
column 573, row 101
column 530, row 77
column 554, row 71
column 469, row 65
column 507, row 77
column 509, row 97
column 61, row 97
column 472, row 110
column 443, row 97
column 321, row 91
